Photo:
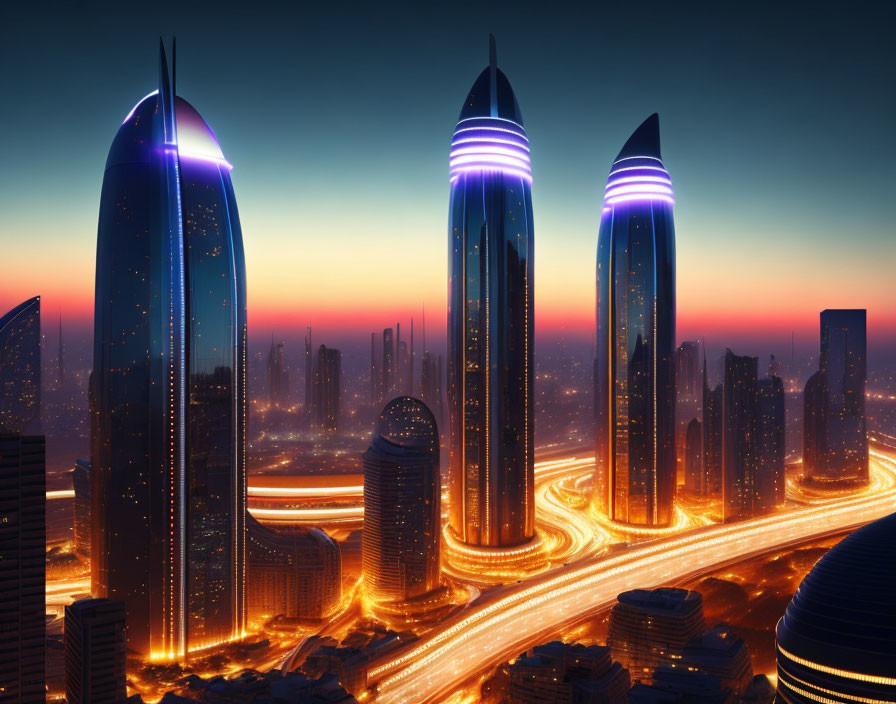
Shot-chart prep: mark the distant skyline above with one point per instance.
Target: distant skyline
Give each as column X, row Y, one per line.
column 776, row 131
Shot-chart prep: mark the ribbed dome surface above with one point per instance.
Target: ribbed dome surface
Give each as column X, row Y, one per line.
column 839, row 631
column 407, row 422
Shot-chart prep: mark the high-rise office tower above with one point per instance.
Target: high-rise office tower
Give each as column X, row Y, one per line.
column 388, row 364
column 409, row 384
column 81, row 485
column 397, row 366
column 168, row 451
column 686, row 360
column 60, row 359
column 815, row 453
column 694, row 477
column 402, row 499
column 22, row 509
column 490, row 318
column 374, row 372
column 712, row 437
column 635, row 379
column 770, row 435
column 401, row 379
column 20, row 368
column 309, row 376
column 428, row 381
column 95, row 652
column 328, row 388
column 22, row 568
column 278, row 377
column 738, row 436
column 835, row 401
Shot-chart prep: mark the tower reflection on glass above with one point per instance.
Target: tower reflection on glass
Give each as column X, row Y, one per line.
column 634, row 376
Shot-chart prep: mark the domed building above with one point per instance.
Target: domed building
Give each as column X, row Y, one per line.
column 837, row 639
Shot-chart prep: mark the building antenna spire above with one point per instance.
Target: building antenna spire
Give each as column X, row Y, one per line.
column 493, row 74
column 173, row 69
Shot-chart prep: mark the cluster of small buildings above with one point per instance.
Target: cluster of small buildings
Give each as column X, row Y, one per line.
column 659, row 651
column 731, row 436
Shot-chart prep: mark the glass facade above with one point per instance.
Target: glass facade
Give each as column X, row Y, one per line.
column 20, row 368
column 168, row 477
column 634, row 374
column 490, row 321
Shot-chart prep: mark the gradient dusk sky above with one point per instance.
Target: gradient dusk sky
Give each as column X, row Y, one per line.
column 776, row 119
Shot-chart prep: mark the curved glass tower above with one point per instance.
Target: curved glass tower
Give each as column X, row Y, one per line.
column 20, row 368
column 490, row 320
column 634, row 376
column 169, row 383
column 402, row 506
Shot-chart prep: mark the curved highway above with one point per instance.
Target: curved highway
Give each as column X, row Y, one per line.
column 482, row 637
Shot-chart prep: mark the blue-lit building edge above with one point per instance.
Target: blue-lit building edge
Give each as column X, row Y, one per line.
column 155, row 274
column 485, row 207
column 657, row 257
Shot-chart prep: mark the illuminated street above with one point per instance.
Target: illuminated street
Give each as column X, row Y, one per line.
column 488, row 634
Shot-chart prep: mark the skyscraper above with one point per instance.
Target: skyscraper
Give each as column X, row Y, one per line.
column 402, row 498
column 309, row 377
column 168, row 453
column 635, row 381
column 22, row 509
column 836, row 402
column 328, row 388
column 22, row 568
column 686, row 361
column 815, row 453
column 81, row 485
column 694, row 477
column 388, row 364
column 278, row 376
column 374, row 372
column 712, row 437
column 95, row 652
column 60, row 360
column 20, row 368
column 738, row 436
column 770, row 451
column 490, row 318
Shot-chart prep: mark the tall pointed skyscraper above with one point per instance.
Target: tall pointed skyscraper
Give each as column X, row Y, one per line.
column 634, row 376
column 490, row 323
column 168, row 451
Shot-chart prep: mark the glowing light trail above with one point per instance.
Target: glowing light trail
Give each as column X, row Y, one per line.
column 482, row 637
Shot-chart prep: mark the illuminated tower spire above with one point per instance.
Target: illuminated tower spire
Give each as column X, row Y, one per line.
column 60, row 368
column 634, row 375
column 490, row 318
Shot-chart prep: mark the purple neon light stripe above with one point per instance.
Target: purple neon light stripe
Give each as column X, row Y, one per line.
column 490, row 140
column 642, row 197
column 639, row 179
column 478, row 169
column 489, row 149
column 491, row 130
column 640, row 188
column 491, row 161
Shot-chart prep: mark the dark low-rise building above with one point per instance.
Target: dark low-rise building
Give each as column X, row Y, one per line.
column 650, row 628
column 296, row 573
column 559, row 673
